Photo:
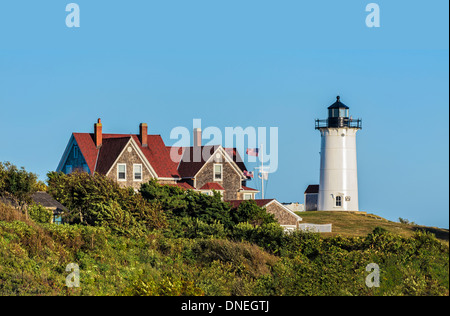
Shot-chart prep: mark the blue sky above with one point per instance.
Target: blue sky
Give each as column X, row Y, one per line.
column 240, row 63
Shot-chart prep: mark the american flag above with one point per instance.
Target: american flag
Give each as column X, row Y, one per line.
column 252, row 151
column 248, row 174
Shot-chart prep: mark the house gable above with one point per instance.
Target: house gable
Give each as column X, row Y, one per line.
column 130, row 155
column 283, row 215
column 73, row 158
column 231, row 179
column 220, row 155
column 196, row 166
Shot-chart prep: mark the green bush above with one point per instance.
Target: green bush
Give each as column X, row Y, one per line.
column 98, row 201
column 248, row 211
column 188, row 203
column 40, row 214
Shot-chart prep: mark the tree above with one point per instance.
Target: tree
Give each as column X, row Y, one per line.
column 17, row 185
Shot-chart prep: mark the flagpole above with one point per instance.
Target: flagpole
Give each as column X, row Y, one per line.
column 262, row 172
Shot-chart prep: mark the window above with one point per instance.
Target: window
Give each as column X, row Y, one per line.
column 343, row 112
column 85, row 168
column 137, row 172
column 338, row 201
column 68, row 169
column 57, row 219
column 217, row 172
column 248, row 196
column 121, row 172
column 333, row 112
column 75, row 151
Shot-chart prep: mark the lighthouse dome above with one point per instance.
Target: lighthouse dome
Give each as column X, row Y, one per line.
column 338, row 104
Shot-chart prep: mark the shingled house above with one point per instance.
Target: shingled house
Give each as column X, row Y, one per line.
column 132, row 159
column 285, row 217
column 208, row 168
column 129, row 159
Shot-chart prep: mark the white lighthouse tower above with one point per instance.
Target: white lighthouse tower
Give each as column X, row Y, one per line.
column 338, row 188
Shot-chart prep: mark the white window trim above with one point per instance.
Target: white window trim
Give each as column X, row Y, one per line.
column 221, row 172
column 134, row 172
column 248, row 194
column 121, row 164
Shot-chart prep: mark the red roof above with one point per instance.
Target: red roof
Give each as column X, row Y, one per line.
column 244, row 188
column 101, row 160
column 182, row 185
column 212, row 186
column 193, row 159
column 260, row 202
column 234, row 154
column 190, row 160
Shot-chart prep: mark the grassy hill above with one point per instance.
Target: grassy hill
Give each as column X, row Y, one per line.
column 166, row 241
column 247, row 260
column 353, row 224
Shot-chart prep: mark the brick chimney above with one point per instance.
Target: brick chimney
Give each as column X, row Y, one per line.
column 98, row 137
column 197, row 137
column 143, row 133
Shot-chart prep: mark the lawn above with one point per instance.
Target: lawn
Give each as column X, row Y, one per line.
column 361, row 223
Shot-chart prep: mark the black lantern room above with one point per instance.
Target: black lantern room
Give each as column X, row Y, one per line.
column 338, row 116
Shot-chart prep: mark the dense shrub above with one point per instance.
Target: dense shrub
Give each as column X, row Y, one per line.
column 188, row 203
column 33, row 259
column 249, row 212
column 125, row 245
column 190, row 227
column 179, row 203
column 39, row 214
column 245, row 257
column 98, row 201
column 8, row 213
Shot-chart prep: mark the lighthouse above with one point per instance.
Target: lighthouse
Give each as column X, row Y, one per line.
column 338, row 188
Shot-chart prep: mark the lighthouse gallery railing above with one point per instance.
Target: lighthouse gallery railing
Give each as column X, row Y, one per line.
column 339, row 122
